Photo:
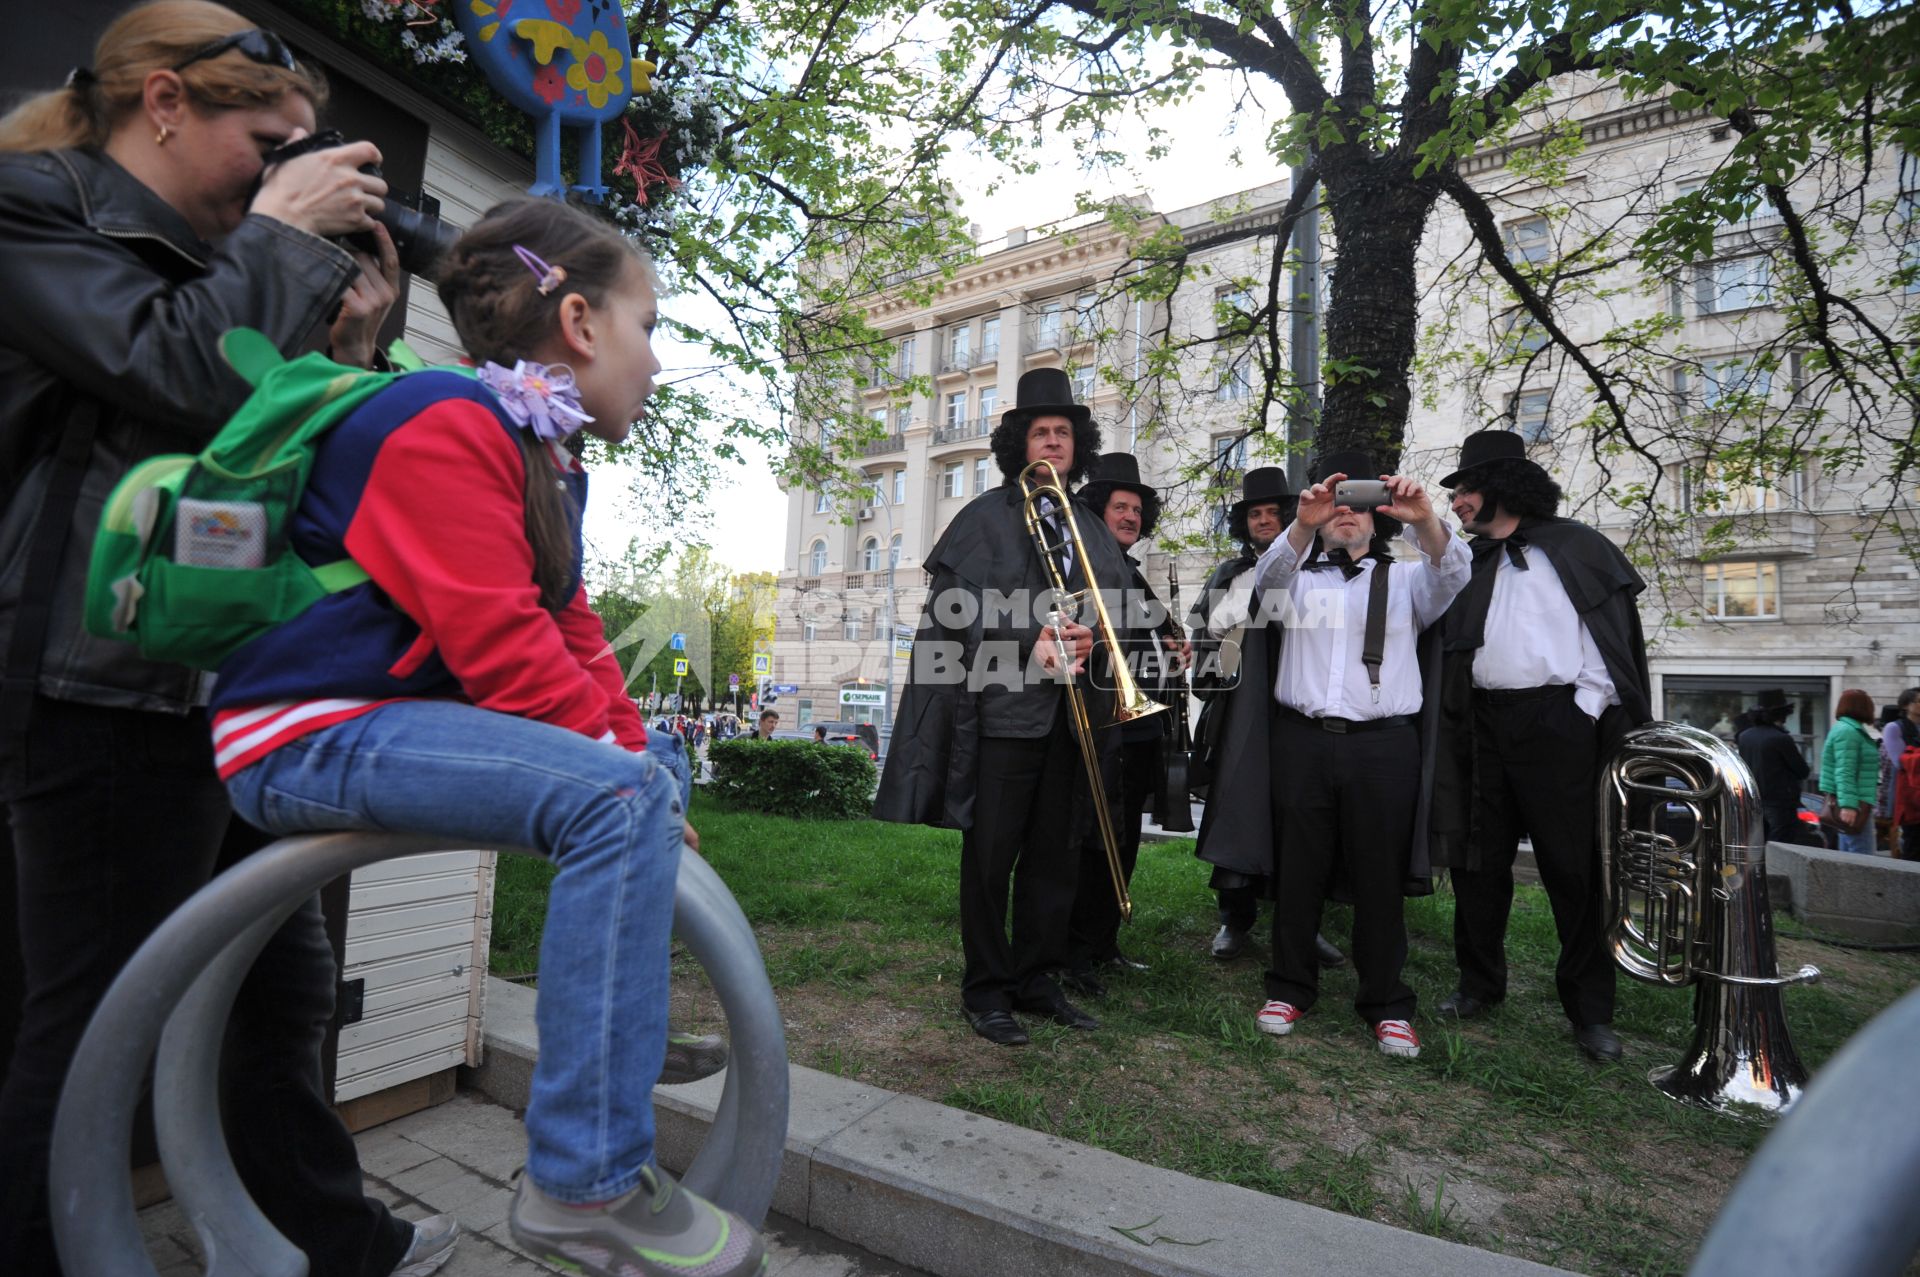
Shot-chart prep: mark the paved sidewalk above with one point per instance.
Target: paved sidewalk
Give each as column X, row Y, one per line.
column 457, row 1158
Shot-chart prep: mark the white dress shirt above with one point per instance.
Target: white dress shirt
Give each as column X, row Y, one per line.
column 1534, row 638
column 1320, row 670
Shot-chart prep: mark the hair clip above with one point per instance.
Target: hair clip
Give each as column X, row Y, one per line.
column 80, row 78
column 550, row 277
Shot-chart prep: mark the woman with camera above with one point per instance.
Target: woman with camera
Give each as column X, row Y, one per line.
column 138, row 223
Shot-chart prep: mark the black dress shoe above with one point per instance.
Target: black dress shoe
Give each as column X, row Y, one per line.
column 1598, row 1042
column 1121, row 962
column 1464, row 1006
column 1084, row 982
column 1059, row 1011
column 998, row 1027
column 1228, row 943
column 1327, row 952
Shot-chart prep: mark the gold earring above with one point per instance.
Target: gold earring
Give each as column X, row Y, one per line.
column 160, row 138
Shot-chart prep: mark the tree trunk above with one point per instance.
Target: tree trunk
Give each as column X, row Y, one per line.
column 1379, row 212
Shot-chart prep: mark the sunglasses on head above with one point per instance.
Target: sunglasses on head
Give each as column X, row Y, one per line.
column 263, row 47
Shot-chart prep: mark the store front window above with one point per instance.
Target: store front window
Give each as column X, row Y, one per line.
column 1712, row 702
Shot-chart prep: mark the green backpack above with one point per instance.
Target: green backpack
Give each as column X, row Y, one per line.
column 191, row 559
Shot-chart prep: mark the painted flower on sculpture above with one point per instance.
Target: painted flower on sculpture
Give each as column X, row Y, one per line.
column 564, row 11
column 596, row 69
column 549, row 84
column 541, row 397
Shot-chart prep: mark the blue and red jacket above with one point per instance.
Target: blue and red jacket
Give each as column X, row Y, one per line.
column 424, row 487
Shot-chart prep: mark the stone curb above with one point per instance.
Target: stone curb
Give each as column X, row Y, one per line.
column 960, row 1195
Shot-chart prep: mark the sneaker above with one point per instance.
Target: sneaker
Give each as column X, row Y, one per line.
column 658, row 1230
column 432, row 1246
column 1277, row 1018
column 1396, row 1037
column 691, row 1058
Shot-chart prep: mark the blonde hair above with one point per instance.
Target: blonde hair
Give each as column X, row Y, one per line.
column 154, row 37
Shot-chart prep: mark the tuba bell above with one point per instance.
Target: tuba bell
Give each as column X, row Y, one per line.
column 1681, row 825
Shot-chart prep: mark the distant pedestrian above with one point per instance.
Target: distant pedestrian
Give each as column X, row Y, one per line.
column 819, row 735
column 1906, row 775
column 1778, row 766
column 1850, row 771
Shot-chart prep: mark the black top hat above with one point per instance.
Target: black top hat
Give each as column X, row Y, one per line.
column 1484, row 447
column 1121, row 471
column 1262, row 485
column 1045, row 391
column 1773, row 703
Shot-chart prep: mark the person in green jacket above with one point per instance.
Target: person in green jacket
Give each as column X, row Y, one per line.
column 1850, row 770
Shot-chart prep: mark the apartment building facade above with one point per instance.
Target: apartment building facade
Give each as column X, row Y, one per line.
column 1762, row 586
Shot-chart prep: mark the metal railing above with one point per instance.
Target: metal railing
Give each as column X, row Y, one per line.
column 969, row 428
column 894, row 442
column 171, row 1003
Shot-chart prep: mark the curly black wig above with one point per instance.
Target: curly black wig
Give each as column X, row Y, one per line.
column 1009, row 444
column 1520, row 488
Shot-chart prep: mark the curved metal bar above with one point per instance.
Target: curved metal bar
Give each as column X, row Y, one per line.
column 235, row 1235
column 1831, row 1189
column 195, row 961
column 739, row 1164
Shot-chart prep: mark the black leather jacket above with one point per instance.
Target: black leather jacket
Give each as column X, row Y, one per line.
column 108, row 293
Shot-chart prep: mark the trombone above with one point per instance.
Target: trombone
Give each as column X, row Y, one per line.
column 1130, row 701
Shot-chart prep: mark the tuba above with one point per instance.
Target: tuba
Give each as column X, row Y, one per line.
column 1041, row 481
column 1681, row 826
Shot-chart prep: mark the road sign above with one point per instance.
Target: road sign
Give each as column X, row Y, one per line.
column 863, row 696
column 679, row 667
column 902, row 649
column 733, row 682
column 678, row 642
column 786, row 689
column 762, row 663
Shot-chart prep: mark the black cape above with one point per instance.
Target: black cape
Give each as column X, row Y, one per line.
column 934, row 757
column 1602, row 586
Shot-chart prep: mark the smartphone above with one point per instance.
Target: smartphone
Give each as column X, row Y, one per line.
column 1361, row 494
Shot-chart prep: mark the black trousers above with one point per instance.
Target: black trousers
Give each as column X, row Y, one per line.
column 1238, row 907
column 1018, row 865
column 1535, row 756
column 1344, row 800
column 117, row 817
column 1094, row 935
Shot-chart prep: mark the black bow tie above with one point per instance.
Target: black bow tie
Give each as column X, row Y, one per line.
column 1515, row 546
column 1337, row 559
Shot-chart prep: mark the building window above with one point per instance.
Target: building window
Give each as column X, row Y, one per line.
column 1725, row 382
column 821, row 503
column 1229, row 455
column 1233, row 312
column 803, row 714
column 817, row 559
column 1086, row 317
column 893, row 551
column 1523, row 333
column 903, row 365
column 1236, row 381
column 1529, row 240
column 1083, row 383
column 879, row 418
column 989, row 400
column 956, row 409
column 960, row 346
column 1747, row 591
column 1731, row 284
column 879, row 627
column 1906, row 215
column 1046, row 327
column 1711, row 702
column 807, row 632
column 1706, row 491
column 979, row 475
column 851, row 624
column 870, row 555
column 990, row 338
column 899, row 487
column 1528, row 408
column 952, row 484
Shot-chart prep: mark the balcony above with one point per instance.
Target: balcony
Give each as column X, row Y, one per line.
column 894, row 442
column 955, row 432
column 988, row 354
column 1769, row 534
column 956, row 361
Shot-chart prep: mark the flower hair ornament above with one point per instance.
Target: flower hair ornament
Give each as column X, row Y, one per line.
column 539, row 397
column 549, row 277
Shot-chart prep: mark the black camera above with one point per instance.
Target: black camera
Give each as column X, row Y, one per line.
column 412, row 220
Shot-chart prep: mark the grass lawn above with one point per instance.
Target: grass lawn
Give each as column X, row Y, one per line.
column 1500, row 1135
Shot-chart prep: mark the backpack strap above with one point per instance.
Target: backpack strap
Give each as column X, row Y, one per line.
column 33, row 617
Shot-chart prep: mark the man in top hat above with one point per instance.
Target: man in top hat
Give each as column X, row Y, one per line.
column 982, row 742
column 1234, row 636
column 1773, row 756
column 1345, row 738
column 1543, row 671
column 1155, row 655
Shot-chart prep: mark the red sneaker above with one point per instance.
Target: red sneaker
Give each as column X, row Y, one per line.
column 1277, row 1018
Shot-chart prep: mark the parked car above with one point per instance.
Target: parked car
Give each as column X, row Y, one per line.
column 840, row 731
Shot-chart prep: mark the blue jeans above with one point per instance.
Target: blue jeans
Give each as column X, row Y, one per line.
column 610, row 820
column 1863, row 843
column 672, row 751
